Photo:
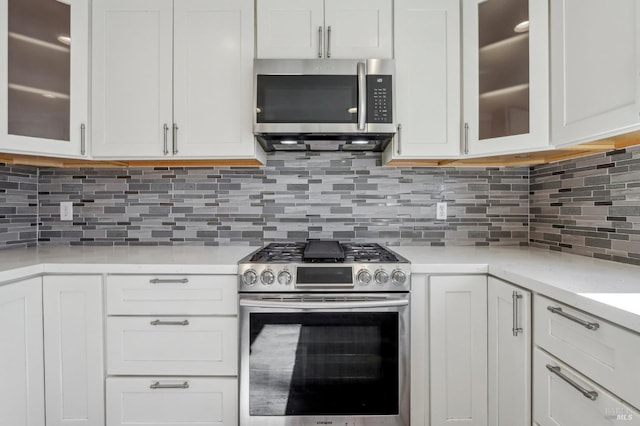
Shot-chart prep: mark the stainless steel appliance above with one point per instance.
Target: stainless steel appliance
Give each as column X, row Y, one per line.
column 324, row 335
column 324, row 105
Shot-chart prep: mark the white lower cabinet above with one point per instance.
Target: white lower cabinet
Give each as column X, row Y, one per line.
column 73, row 341
column 458, row 349
column 21, row 348
column 562, row 396
column 509, row 337
column 181, row 333
column 172, row 401
column 172, row 345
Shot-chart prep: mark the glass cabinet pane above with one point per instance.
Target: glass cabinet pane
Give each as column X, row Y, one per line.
column 503, row 68
column 39, row 55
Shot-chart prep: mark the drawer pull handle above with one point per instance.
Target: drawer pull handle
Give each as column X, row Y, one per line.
column 169, row 281
column 158, row 385
column 158, row 322
column 515, row 329
column 585, row 324
column 592, row 395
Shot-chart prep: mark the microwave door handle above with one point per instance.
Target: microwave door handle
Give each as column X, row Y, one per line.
column 277, row 304
column 362, row 96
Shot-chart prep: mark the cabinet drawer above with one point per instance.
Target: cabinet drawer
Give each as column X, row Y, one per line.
column 172, row 294
column 172, row 401
column 556, row 402
column 172, row 346
column 608, row 354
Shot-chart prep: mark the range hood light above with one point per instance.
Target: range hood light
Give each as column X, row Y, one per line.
column 360, row 142
column 288, row 142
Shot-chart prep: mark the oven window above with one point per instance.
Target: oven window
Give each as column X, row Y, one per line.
column 323, row 364
column 307, row 98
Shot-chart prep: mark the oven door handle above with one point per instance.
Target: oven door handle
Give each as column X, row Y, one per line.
column 255, row 303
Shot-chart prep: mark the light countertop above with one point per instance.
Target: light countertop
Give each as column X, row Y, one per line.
column 606, row 289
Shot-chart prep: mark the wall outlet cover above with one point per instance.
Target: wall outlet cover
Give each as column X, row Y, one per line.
column 66, row 210
column 441, row 211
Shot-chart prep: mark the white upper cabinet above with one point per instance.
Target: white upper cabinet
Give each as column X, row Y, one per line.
column 595, row 69
column 505, row 76
column 427, row 85
column 172, row 79
column 308, row 29
column 44, row 80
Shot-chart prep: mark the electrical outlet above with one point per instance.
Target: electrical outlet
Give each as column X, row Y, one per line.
column 441, row 211
column 66, row 210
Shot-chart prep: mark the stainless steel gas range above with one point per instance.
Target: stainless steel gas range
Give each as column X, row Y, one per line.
column 324, row 335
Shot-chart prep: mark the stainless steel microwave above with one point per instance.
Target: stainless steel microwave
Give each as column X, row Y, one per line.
column 324, row 105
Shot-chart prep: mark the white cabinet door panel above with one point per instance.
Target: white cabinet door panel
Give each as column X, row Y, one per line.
column 205, row 346
column 509, row 354
column 172, row 294
column 458, row 330
column 73, row 341
column 358, row 29
column 595, row 58
column 557, row 403
column 194, row 401
column 132, row 77
column 213, row 68
column 21, row 366
column 427, row 54
column 290, row 28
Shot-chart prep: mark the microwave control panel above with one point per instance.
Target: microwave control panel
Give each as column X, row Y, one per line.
column 379, row 99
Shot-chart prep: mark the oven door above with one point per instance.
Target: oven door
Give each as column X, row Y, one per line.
column 324, row 359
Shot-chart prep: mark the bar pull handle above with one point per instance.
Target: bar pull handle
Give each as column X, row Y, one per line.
column 165, row 151
column 169, row 281
column 592, row 395
column 362, row 96
column 515, row 297
column 158, row 385
column 83, row 141
column 320, row 40
column 158, row 322
column 399, row 140
column 175, row 139
column 329, row 41
column 465, row 146
column 586, row 324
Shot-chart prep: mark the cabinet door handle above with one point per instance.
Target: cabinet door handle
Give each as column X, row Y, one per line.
column 169, row 281
column 83, row 142
column 465, row 146
column 158, row 322
column 158, row 385
column 592, row 395
column 329, row 41
column 165, row 151
column 399, row 140
column 515, row 297
column 320, row 40
column 175, row 139
column 586, row 324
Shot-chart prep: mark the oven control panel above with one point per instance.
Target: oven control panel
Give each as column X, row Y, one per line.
column 324, row 277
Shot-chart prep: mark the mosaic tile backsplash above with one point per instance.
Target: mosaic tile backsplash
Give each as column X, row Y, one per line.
column 18, row 206
column 589, row 206
column 295, row 197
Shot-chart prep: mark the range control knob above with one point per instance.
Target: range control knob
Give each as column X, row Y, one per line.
column 250, row 277
column 381, row 276
column 267, row 277
column 285, row 278
column 398, row 277
column 364, row 277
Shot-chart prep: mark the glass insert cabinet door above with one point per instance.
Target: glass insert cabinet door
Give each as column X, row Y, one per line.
column 505, row 75
column 46, row 76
